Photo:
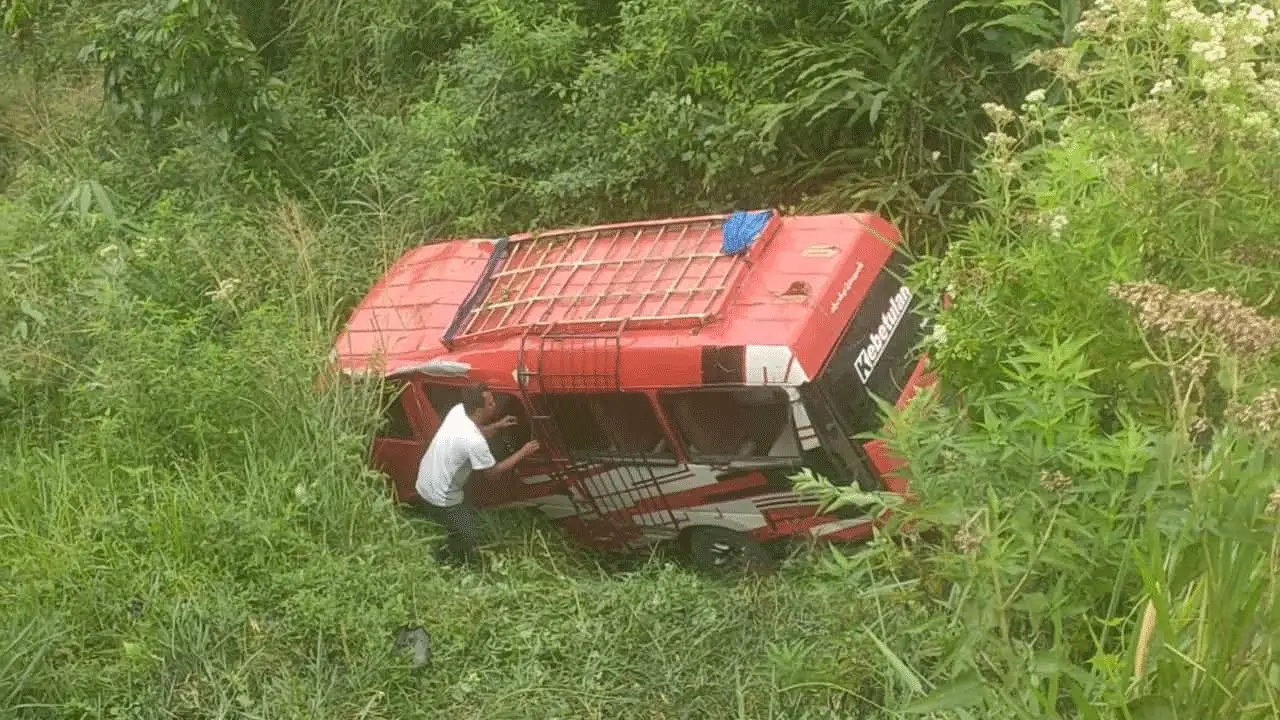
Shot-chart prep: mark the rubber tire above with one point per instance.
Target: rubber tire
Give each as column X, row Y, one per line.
column 750, row 557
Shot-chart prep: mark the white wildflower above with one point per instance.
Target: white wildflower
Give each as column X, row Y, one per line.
column 1035, row 97
column 1182, row 12
column 1261, row 16
column 935, row 155
column 1211, row 51
column 1257, row 120
column 998, row 113
column 1006, row 167
column 1057, row 224
column 1217, row 27
column 1093, row 22
column 1217, row 79
column 1252, row 41
column 1161, row 87
column 1270, row 90
column 226, row 288
column 998, row 140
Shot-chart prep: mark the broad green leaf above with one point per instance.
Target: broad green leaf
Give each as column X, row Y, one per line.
column 84, row 200
column 1152, row 707
column 904, row 673
column 102, row 199
column 965, row 691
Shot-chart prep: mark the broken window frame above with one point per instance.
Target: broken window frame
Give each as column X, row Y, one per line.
column 661, row 452
column 666, row 399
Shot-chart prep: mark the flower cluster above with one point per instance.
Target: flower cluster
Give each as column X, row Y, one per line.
column 1262, row 415
column 1055, row 482
column 1198, row 366
column 999, row 114
column 1196, row 315
column 1057, row 223
column 226, row 288
column 1203, row 62
column 967, row 540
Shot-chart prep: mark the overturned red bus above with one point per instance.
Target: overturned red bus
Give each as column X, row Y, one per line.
column 676, row 372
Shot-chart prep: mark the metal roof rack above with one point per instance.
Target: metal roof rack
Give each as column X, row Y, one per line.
column 667, row 273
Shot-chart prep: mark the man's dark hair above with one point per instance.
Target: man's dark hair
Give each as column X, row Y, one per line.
column 473, row 397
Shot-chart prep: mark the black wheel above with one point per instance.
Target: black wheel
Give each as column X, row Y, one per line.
column 724, row 553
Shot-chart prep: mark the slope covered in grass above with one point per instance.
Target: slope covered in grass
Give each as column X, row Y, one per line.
column 188, row 528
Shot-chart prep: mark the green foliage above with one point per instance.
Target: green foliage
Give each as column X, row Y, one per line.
column 188, row 60
column 1144, row 174
column 1107, row 490
column 895, row 84
column 189, row 527
column 367, row 48
column 544, row 113
column 17, row 16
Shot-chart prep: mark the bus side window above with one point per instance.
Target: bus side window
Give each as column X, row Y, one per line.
column 728, row 423
column 443, row 398
column 609, row 424
column 395, row 420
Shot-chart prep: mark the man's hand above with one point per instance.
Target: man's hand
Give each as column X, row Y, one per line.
column 493, row 428
column 514, row 459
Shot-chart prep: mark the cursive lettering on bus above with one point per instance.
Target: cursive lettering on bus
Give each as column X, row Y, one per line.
column 845, row 288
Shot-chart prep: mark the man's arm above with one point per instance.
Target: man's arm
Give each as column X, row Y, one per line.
column 516, row 458
column 492, row 428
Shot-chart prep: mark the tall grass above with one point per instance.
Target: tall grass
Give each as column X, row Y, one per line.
column 1108, row 487
column 182, row 590
column 188, row 526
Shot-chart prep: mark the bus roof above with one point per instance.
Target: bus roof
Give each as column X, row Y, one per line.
column 668, row 288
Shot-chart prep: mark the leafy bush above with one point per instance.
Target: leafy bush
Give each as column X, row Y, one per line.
column 1108, row 486
column 188, row 60
column 552, row 113
column 189, row 527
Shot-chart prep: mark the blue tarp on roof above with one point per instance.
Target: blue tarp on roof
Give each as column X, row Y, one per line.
column 742, row 229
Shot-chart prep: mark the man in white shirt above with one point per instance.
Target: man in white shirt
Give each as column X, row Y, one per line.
column 459, row 448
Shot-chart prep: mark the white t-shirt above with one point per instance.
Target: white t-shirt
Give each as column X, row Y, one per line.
column 458, row 449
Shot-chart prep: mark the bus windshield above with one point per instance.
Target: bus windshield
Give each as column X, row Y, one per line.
column 877, row 354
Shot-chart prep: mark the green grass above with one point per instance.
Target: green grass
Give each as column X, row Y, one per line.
column 188, row 528
column 185, row 592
